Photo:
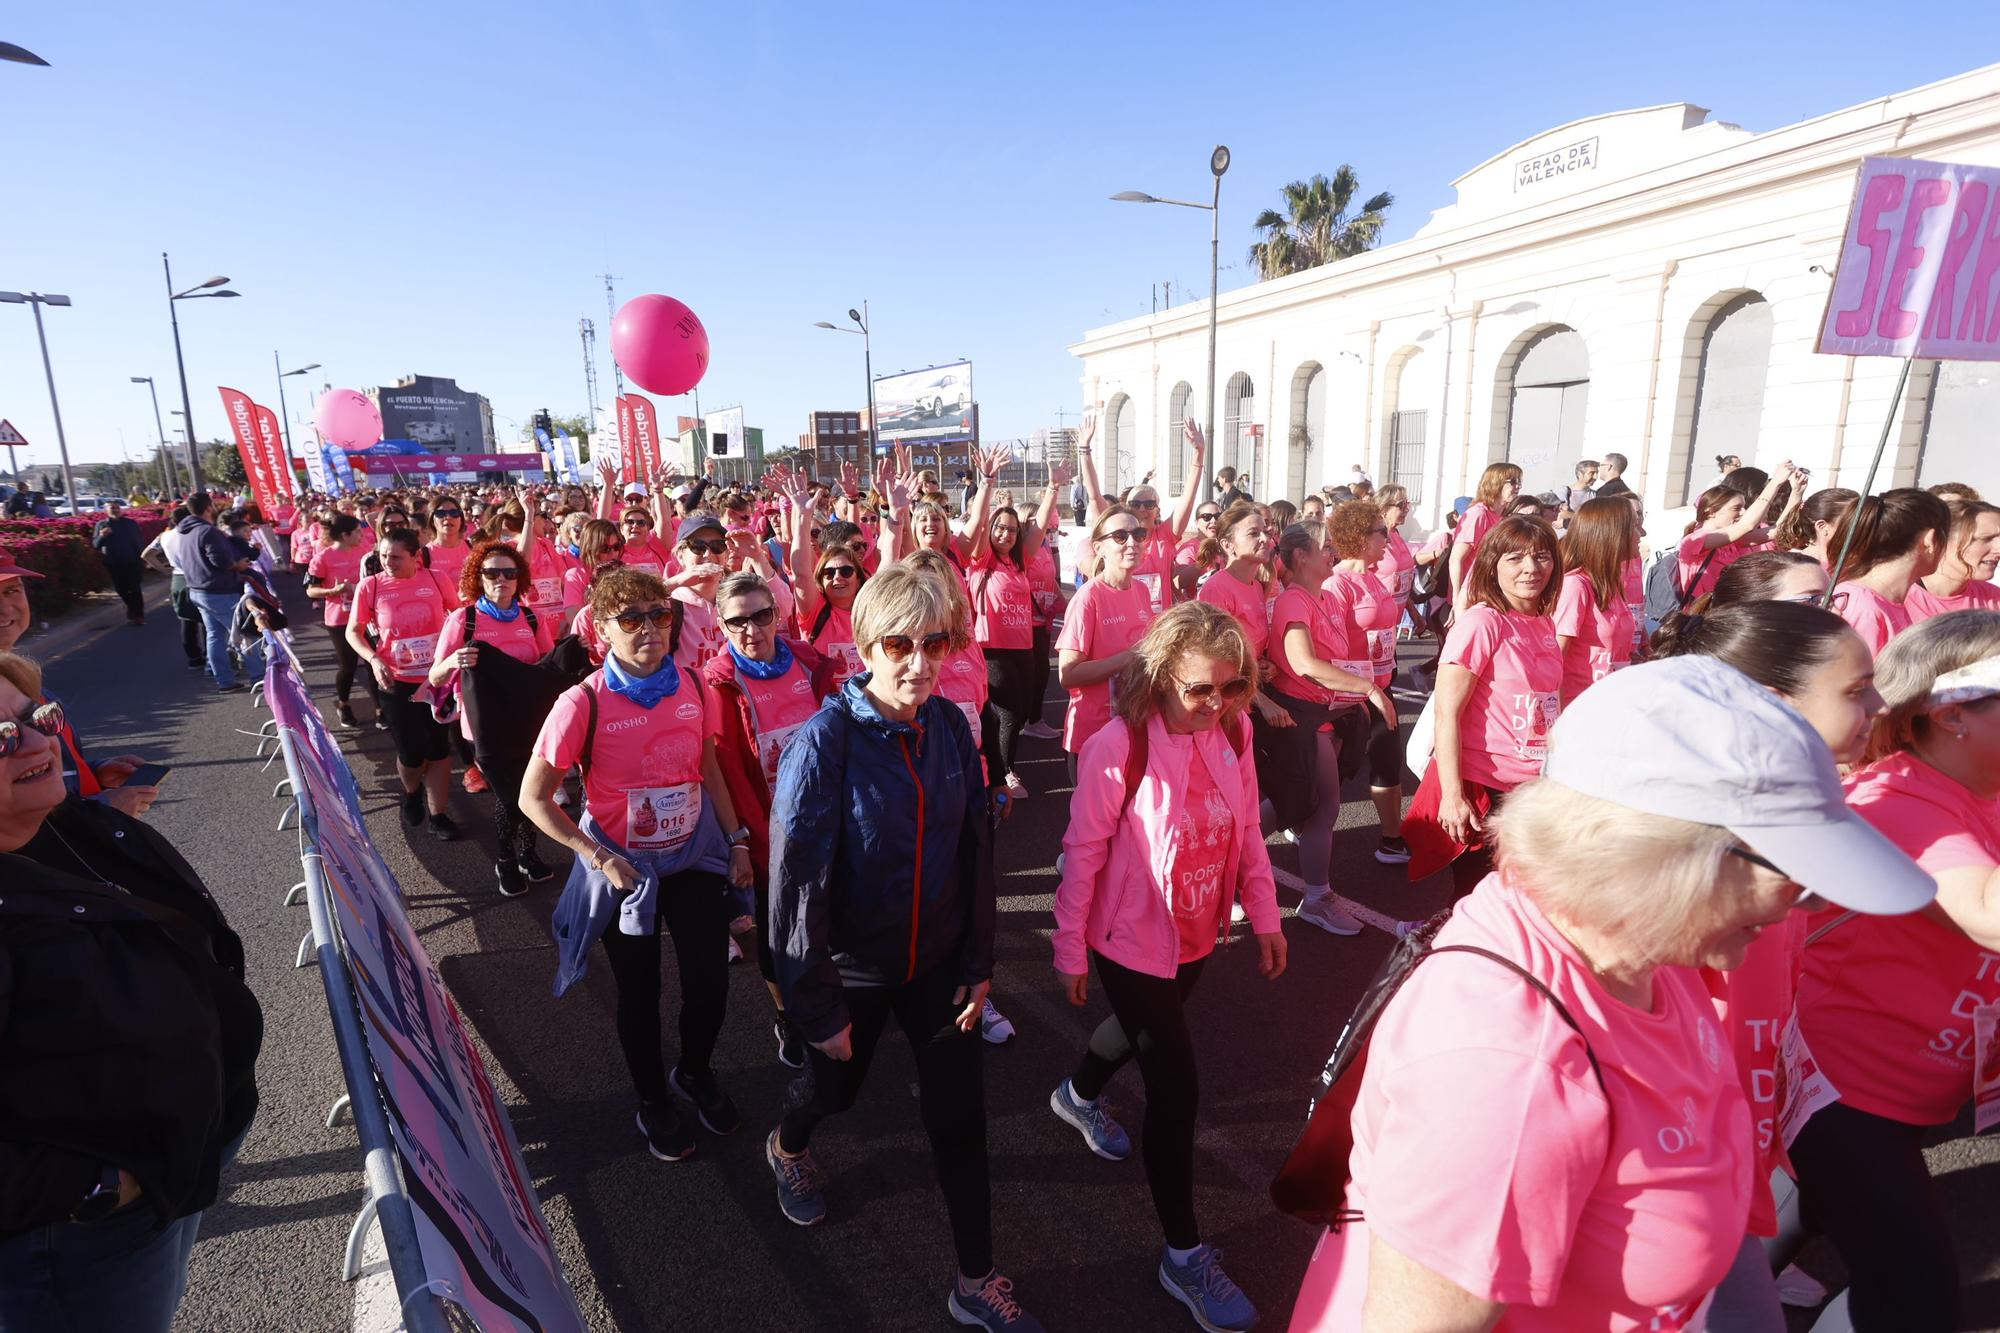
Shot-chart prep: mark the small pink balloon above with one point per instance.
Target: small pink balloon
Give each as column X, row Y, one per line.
column 347, row 419
column 660, row 344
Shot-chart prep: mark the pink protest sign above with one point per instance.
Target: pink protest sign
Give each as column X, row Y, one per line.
column 1918, row 265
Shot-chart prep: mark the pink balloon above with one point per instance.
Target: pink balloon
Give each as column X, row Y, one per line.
column 347, row 419
column 660, row 344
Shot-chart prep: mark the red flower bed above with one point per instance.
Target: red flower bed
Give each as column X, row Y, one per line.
column 59, row 550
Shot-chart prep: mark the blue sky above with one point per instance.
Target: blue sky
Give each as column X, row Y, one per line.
column 431, row 187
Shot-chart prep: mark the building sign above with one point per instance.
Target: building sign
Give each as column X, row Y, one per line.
column 1545, row 167
column 434, row 412
column 1916, row 267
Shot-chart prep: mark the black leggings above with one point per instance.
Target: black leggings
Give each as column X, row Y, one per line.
column 1864, row 1186
column 1010, row 705
column 1039, row 684
column 1385, row 754
column 194, row 639
column 346, row 663
column 420, row 738
column 694, row 907
column 513, row 832
column 952, row 1095
column 1149, row 1019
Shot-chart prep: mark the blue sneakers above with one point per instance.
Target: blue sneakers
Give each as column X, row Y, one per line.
column 1099, row 1130
column 1216, row 1303
column 991, row 1306
column 799, row 1197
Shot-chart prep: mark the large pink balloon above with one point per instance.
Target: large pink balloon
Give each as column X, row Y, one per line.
column 347, row 420
column 660, row 344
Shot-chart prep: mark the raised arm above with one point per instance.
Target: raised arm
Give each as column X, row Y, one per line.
column 978, row 531
column 1035, row 531
column 1753, row 513
column 607, row 494
column 1087, row 466
column 1191, row 495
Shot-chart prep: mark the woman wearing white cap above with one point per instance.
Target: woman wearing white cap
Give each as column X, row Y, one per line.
column 1900, row 1016
column 1551, row 1139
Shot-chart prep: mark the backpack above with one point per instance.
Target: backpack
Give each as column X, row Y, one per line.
column 1664, row 595
column 1136, row 758
column 1312, row 1184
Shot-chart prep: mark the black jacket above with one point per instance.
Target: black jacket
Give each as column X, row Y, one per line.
column 117, row 540
column 127, row 1036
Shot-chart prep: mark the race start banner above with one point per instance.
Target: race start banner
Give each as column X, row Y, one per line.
column 242, row 414
column 479, row 1225
column 1916, row 271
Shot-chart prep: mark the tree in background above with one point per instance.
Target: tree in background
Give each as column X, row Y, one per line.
column 579, row 431
column 222, row 466
column 1316, row 227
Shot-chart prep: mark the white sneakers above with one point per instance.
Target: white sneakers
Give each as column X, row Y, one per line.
column 994, row 1026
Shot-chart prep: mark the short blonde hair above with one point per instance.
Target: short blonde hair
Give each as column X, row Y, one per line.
column 939, row 567
column 22, row 673
column 1909, row 667
column 1191, row 627
column 902, row 599
column 1649, row 881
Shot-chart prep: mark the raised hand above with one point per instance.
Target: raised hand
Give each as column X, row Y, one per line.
column 1086, row 433
column 1061, row 475
column 995, row 460
column 850, row 480
column 1191, row 429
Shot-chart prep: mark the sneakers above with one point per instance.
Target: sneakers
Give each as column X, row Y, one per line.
column 667, row 1135
column 512, row 882
column 717, row 1113
column 1392, row 852
column 799, row 1197
column 562, row 795
column 1799, row 1288
column 1322, row 912
column 791, row 1043
column 991, row 1306
column 1041, row 731
column 413, row 808
column 534, row 867
column 344, row 714
column 735, row 950
column 1403, row 928
column 1017, row 790
column 1216, row 1303
column 1099, row 1130
column 381, row 723
column 1237, row 916
column 994, row 1026
column 475, row 781
column 444, row 828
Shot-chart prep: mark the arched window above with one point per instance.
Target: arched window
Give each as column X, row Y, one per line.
column 1411, row 391
column 1117, row 461
column 1307, row 432
column 1235, row 448
column 1173, row 444
column 1729, row 389
column 1551, row 389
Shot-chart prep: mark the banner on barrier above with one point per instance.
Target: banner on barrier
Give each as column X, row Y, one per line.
column 478, row 1222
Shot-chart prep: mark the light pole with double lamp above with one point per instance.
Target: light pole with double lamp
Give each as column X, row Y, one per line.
column 860, row 318
column 166, row 449
column 36, row 300
column 284, row 417
column 199, row 483
column 1218, row 163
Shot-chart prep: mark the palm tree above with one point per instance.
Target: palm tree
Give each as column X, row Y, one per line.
column 1316, row 227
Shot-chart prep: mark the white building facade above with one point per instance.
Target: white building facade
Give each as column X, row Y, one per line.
column 1649, row 283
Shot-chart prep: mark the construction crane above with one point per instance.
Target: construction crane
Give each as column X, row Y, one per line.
column 589, row 332
column 611, row 308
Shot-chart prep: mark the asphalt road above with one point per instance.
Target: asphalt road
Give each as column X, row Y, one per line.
column 652, row 1245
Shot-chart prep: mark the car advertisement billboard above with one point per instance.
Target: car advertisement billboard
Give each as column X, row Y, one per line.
column 934, row 404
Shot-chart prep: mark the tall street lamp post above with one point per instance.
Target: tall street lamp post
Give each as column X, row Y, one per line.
column 166, row 449
column 860, row 318
column 284, row 417
column 1218, row 163
column 187, row 405
column 35, row 301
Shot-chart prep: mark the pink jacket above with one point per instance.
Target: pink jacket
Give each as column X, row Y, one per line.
column 1114, row 896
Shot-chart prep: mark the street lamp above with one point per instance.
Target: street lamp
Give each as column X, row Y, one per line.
column 860, row 318
column 166, row 449
column 199, row 483
column 36, row 300
column 19, row 55
column 285, row 417
column 1218, row 163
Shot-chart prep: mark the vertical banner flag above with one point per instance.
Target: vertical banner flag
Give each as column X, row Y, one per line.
column 343, row 471
column 242, row 414
column 1915, row 272
column 317, row 472
column 271, row 439
column 547, row 448
column 646, row 436
column 628, row 439
column 567, row 447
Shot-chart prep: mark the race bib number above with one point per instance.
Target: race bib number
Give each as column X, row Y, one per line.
column 1151, row 583
column 661, row 819
column 770, row 747
column 971, row 712
column 414, row 651
column 548, row 592
column 849, row 658
column 1985, row 1067
column 1534, row 739
column 1382, row 649
column 1803, row 1086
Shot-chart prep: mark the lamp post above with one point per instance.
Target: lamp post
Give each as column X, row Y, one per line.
column 285, row 417
column 860, row 318
column 198, row 482
column 1218, row 163
column 35, row 301
column 166, row 449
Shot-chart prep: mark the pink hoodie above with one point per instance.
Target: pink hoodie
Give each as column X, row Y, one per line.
column 1114, row 894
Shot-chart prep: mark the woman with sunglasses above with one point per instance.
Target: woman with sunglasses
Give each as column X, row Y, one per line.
column 1594, row 626
column 1191, row 569
column 659, row 834
column 1493, row 499
column 533, row 534
column 1397, row 568
column 1367, row 612
column 702, row 554
column 1163, row 837
column 598, row 546
column 827, row 583
column 1155, row 568
column 882, row 903
column 489, row 592
column 397, row 618
column 1003, row 596
column 330, row 580
column 643, row 550
column 1106, row 618
column 1963, row 579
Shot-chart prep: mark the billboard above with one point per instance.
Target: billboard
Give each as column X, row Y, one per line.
column 725, row 432
column 933, row 404
column 434, row 412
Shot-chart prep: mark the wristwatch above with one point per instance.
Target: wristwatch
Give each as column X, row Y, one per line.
column 101, row 1202
column 740, row 838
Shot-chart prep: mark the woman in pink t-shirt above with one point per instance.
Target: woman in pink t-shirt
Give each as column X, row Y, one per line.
column 826, row 583
column 1108, row 615
column 1499, row 689
column 1499, row 486
column 599, row 546
column 1820, row 520
column 1900, row 536
column 1593, row 624
column 1727, row 527
column 1156, row 564
column 1191, row 570
column 643, row 549
column 448, row 552
column 701, row 559
column 330, row 580
column 1162, row 837
column 1046, row 581
column 1242, row 586
column 397, row 617
column 1396, row 566
column 1964, row 577
column 659, row 834
column 1898, row 1014
column 1358, row 533
column 1003, row 606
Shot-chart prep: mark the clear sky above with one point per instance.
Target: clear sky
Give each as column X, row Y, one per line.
column 431, row 187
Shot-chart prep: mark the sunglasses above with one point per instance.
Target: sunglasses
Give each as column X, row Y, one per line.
column 1122, row 535
column 1142, row 504
column 446, row 513
column 638, row 522
column 900, row 646
column 499, row 572
column 1833, row 603
column 699, row 547
column 1208, row 516
column 46, row 718
column 832, row 572
column 632, row 618
column 1202, row 691
column 1745, row 854
column 759, row 618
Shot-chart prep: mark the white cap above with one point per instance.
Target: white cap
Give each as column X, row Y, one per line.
column 1694, row 739
column 635, row 488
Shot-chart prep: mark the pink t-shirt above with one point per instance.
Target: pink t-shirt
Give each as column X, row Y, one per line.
column 1757, row 1001
column 1046, row 588
column 1003, row 603
column 1155, row 570
column 1886, row 1002
column 702, row 636
column 1473, row 525
column 1977, row 595
column 1486, row 1150
column 1102, row 621
column 962, row 680
column 1201, row 853
column 1693, row 552
column 450, row 560
column 1243, row 600
column 576, row 586
column 405, row 617
column 1874, row 617
column 1600, row 634
column 1335, row 640
column 1517, row 670
column 1635, row 600
column 835, row 641
column 333, row 566
column 648, row 555
column 645, row 763
column 1371, row 611
column 545, row 588
column 1397, row 568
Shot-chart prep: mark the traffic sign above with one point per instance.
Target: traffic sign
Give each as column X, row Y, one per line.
column 8, row 435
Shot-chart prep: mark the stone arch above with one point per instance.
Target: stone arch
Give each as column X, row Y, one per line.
column 1173, row 443
column 1306, row 430
column 1121, row 467
column 1408, row 425
column 1541, row 389
column 1239, row 401
column 1725, row 363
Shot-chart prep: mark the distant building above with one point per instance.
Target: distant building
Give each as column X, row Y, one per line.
column 436, row 413
column 833, row 438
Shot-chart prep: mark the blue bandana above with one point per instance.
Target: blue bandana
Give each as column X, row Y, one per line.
column 644, row 691
column 575, row 552
column 487, row 608
column 770, row 670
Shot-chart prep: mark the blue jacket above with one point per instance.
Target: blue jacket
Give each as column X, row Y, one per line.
column 880, row 871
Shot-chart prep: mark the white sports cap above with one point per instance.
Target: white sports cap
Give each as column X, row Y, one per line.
column 635, row 488
column 1692, row 738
